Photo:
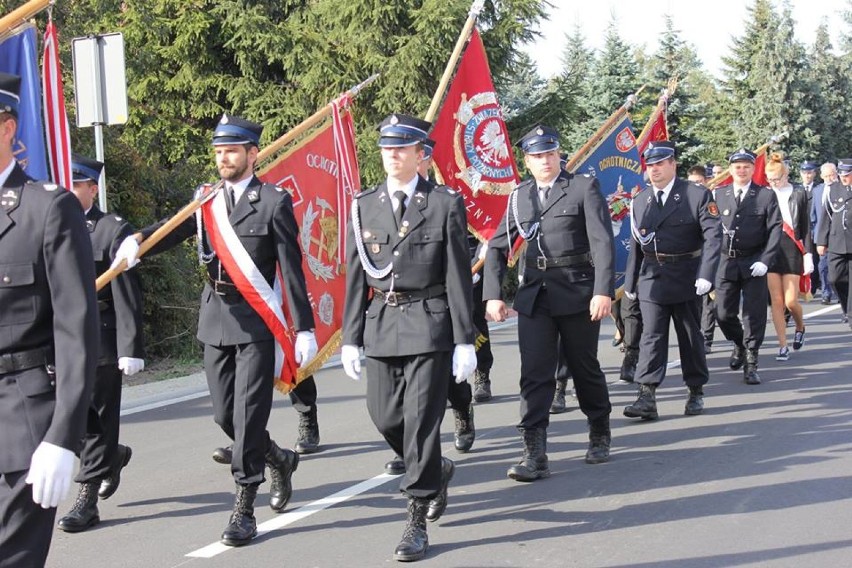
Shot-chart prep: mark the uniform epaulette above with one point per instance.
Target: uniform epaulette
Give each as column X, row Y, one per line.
column 445, row 189
column 43, row 185
column 367, row 191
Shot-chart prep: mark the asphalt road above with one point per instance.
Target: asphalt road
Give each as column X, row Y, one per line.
column 762, row 478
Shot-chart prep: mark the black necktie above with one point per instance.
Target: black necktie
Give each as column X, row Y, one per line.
column 544, row 192
column 738, row 196
column 400, row 211
column 660, row 199
column 229, row 192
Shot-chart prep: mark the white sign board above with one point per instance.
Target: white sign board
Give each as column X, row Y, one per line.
column 100, row 85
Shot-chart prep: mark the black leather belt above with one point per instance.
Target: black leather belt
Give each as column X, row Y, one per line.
column 23, row 360
column 543, row 263
column 734, row 253
column 666, row 258
column 398, row 298
column 223, row 287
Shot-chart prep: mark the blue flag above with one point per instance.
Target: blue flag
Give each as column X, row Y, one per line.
column 615, row 163
column 18, row 56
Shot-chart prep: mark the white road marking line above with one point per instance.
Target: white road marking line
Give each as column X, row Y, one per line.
column 284, row 519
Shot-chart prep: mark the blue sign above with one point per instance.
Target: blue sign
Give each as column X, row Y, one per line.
column 18, row 56
column 615, row 163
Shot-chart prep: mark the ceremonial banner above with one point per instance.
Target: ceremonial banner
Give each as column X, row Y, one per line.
column 321, row 173
column 55, row 117
column 472, row 149
column 654, row 131
column 614, row 161
column 18, row 56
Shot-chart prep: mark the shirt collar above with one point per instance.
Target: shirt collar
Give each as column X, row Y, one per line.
column 4, row 175
column 239, row 187
column 666, row 190
column 549, row 184
column 408, row 188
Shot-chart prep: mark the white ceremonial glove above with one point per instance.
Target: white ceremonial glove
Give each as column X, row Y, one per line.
column 128, row 250
column 758, row 269
column 350, row 356
column 306, row 347
column 464, row 361
column 702, row 286
column 809, row 263
column 630, row 295
column 131, row 365
column 51, row 471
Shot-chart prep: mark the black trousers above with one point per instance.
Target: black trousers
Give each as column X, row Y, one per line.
column 654, row 346
column 460, row 395
column 484, row 357
column 755, row 298
column 241, row 382
column 25, row 528
column 631, row 317
column 407, row 405
column 304, row 396
column 708, row 318
column 838, row 275
column 539, row 336
column 102, row 424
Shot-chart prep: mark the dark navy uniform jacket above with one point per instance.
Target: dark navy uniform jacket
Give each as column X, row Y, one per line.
column 687, row 223
column 574, row 221
column 752, row 230
column 264, row 222
column 430, row 251
column 120, row 302
column 47, row 299
column 834, row 230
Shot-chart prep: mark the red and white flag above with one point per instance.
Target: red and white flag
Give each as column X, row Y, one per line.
column 472, row 148
column 55, row 117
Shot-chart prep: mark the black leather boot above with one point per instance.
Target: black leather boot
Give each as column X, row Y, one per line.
column 414, row 539
column 84, row 514
column 600, row 439
column 465, row 432
column 695, row 402
column 750, row 375
column 534, row 463
column 628, row 365
column 737, row 357
column 645, row 406
column 109, row 485
column 481, row 387
column 309, row 437
column 438, row 504
column 242, row 527
column 396, row 466
column 282, row 464
column 558, row 406
column 224, row 455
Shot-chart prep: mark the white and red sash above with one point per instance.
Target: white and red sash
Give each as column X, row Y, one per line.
column 805, row 280
column 267, row 301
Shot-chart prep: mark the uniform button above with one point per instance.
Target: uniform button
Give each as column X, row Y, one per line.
column 6, row 279
column 53, row 383
column 396, row 274
column 396, row 253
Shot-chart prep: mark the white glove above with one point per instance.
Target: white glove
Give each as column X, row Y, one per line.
column 131, row 365
column 758, row 269
column 702, row 286
column 51, row 471
column 630, row 295
column 464, row 361
column 128, row 250
column 476, row 278
column 809, row 263
column 350, row 356
column 306, row 347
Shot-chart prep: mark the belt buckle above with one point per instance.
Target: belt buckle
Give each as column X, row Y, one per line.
column 216, row 287
column 541, row 262
column 391, row 299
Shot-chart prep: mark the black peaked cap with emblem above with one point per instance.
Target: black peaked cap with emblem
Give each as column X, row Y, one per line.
column 540, row 139
column 399, row 130
column 85, row 169
column 10, row 90
column 742, row 155
column 236, row 130
column 658, row 151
